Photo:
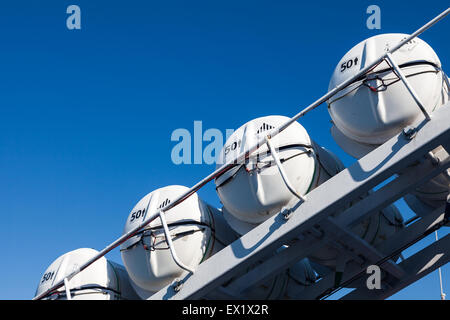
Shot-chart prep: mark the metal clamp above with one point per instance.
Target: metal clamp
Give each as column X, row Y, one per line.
column 411, row 90
column 409, row 132
column 177, row 285
column 170, row 243
column 282, row 172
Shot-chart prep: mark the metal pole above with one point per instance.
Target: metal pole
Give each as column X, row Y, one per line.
column 282, row 172
column 66, row 285
column 411, row 90
column 241, row 157
column 170, row 243
column 440, row 273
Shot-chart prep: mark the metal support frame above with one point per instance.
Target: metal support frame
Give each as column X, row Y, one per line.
column 416, row 267
column 273, row 265
column 274, row 232
column 399, row 241
column 414, row 233
column 357, row 244
column 390, row 158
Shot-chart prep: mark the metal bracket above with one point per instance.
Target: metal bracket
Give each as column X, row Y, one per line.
column 408, row 86
column 66, row 285
column 341, row 189
column 417, row 266
column 170, row 243
column 373, row 255
column 286, row 212
column 409, row 132
column 282, row 172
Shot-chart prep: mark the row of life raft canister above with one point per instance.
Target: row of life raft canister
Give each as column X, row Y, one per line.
column 366, row 114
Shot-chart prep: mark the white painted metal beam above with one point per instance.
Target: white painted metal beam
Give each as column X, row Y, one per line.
column 416, row 267
column 359, row 245
column 395, row 244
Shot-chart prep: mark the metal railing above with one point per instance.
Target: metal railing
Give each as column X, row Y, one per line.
column 265, row 139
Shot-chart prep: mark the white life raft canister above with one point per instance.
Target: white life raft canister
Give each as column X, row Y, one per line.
column 102, row 280
column 376, row 107
column 253, row 191
column 197, row 233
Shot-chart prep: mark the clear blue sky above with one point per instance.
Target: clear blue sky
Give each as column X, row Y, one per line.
column 86, row 115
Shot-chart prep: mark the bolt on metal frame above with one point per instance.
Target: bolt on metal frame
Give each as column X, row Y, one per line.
column 244, row 155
